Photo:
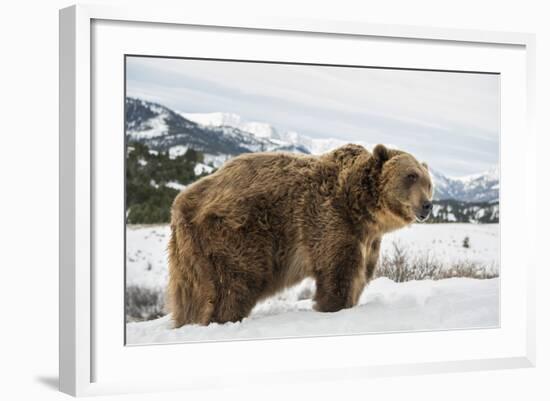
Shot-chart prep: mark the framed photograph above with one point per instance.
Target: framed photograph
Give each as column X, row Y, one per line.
column 237, row 191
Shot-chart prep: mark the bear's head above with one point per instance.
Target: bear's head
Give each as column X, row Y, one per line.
column 404, row 188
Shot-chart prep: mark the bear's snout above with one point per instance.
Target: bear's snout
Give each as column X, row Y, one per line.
column 425, row 210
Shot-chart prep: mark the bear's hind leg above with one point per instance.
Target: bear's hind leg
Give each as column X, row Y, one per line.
column 235, row 298
column 242, row 278
column 190, row 303
column 232, row 307
column 190, row 292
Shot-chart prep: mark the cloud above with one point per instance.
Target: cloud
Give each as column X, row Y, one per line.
column 450, row 119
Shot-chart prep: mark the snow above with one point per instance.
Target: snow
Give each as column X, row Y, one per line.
column 201, row 168
column 215, row 119
column 146, row 263
column 178, row 150
column 261, row 130
column 157, row 127
column 492, row 174
column 142, row 162
column 480, row 213
column 216, row 160
column 385, row 306
column 219, row 119
column 444, row 242
column 175, row 185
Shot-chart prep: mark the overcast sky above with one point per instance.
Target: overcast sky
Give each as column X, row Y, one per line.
column 449, row 120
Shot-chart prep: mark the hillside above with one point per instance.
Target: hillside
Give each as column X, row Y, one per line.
column 153, row 179
column 482, row 187
column 161, row 129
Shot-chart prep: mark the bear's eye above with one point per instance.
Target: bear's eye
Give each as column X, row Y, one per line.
column 412, row 177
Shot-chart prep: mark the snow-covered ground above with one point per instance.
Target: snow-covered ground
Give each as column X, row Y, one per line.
column 384, row 306
column 444, row 242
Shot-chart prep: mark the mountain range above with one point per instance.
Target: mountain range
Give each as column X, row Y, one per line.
column 220, row 136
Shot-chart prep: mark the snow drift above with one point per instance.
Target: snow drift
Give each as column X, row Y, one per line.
column 384, row 306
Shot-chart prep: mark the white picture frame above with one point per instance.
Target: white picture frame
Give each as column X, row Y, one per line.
column 84, row 350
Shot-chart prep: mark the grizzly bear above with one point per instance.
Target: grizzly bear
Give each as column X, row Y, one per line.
column 266, row 221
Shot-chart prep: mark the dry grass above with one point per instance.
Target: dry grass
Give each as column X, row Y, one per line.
column 143, row 304
column 400, row 266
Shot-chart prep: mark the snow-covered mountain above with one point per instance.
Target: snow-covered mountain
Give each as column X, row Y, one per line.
column 264, row 130
column 482, row 187
column 161, row 128
column 218, row 119
column 220, row 136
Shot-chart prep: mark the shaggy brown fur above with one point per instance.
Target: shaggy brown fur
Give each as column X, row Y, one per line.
column 265, row 221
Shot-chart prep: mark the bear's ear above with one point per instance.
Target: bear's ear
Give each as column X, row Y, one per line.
column 381, row 153
column 425, row 165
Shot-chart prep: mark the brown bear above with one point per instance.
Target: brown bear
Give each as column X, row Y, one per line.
column 266, row 221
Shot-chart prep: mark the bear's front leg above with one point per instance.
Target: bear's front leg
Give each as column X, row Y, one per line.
column 371, row 260
column 340, row 277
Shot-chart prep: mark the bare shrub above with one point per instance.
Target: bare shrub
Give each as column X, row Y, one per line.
column 399, row 266
column 143, row 304
column 470, row 269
